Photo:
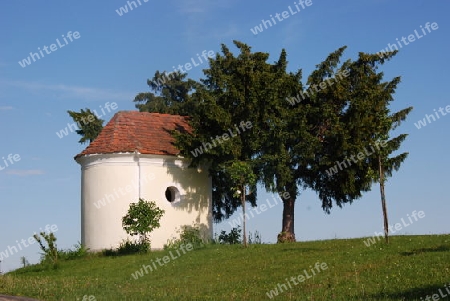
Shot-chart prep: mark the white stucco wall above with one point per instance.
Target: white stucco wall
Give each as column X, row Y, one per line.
column 109, row 183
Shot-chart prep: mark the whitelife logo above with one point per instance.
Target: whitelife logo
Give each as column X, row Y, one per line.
column 239, row 220
column 11, row 158
column 187, row 66
column 220, row 139
column 124, row 9
column 72, row 127
column 317, row 88
column 423, row 122
column 301, row 278
column 165, row 260
column 27, row 61
column 284, row 15
column 411, row 38
column 436, row 297
column 133, row 186
column 360, row 156
column 372, row 240
column 31, row 240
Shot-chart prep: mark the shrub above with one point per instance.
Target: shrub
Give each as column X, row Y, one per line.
column 234, row 237
column 188, row 234
column 141, row 219
column 79, row 251
column 128, row 247
column 131, row 247
column 50, row 253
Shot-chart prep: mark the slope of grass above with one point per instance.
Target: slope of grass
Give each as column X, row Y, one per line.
column 409, row 268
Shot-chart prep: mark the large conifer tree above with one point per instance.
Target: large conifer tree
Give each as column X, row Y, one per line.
column 341, row 110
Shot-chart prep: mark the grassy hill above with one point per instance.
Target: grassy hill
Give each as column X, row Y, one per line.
column 409, row 268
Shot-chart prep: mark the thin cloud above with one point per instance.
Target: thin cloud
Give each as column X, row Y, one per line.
column 293, row 32
column 188, row 7
column 197, row 13
column 6, row 108
column 229, row 33
column 70, row 92
column 24, row 173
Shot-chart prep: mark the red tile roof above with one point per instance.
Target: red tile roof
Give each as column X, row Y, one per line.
column 147, row 133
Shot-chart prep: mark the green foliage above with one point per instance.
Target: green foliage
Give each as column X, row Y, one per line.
column 241, row 173
column 242, row 177
column 188, row 234
column 410, row 268
column 88, row 123
column 232, row 238
column 385, row 165
column 50, row 252
column 171, row 94
column 128, row 247
column 142, row 218
column 228, row 97
column 255, row 238
column 78, row 251
column 291, row 145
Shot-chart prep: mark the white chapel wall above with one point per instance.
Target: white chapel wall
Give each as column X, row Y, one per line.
column 111, row 182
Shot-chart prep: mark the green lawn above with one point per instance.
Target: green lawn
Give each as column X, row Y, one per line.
column 409, row 268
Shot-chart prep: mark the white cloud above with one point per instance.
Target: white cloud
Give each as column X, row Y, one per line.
column 25, row 172
column 230, row 33
column 72, row 92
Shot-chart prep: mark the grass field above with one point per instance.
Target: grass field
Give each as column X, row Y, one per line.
column 409, row 268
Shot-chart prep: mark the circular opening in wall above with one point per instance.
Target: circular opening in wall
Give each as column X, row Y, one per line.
column 172, row 194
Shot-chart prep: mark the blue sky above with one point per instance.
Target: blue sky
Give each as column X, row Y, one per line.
column 114, row 55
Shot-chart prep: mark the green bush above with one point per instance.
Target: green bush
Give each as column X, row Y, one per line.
column 234, row 237
column 128, row 247
column 188, row 234
column 50, row 253
column 141, row 219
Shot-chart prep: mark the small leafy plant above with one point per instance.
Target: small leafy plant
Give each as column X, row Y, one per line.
column 142, row 218
column 50, row 253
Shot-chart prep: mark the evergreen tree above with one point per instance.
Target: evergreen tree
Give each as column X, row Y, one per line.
column 386, row 165
column 88, row 123
column 298, row 132
column 171, row 94
column 229, row 103
column 363, row 122
column 293, row 144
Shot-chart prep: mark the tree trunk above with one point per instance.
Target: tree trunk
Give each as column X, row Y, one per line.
column 383, row 201
column 244, row 237
column 287, row 231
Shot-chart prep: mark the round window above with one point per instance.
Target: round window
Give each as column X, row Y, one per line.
column 172, row 194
